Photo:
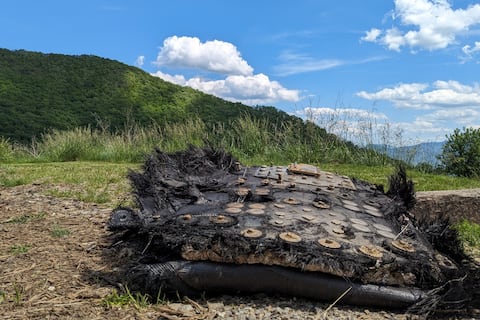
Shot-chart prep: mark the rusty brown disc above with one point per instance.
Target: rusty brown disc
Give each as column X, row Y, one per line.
column 186, row 217
column 251, row 233
column 241, row 180
column 290, row 237
column 242, row 192
column 403, row 245
column 221, row 219
column 291, row 201
column 329, row 243
column 321, row 204
column 371, row 251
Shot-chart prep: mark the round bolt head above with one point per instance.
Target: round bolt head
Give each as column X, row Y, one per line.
column 256, row 211
column 291, row 201
column 328, row 243
column 221, row 219
column 234, row 205
column 233, row 210
column 371, row 251
column 251, row 233
column 403, row 245
column 321, row 204
column 290, row 237
column 257, row 206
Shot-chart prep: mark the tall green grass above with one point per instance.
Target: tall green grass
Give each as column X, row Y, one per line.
column 252, row 140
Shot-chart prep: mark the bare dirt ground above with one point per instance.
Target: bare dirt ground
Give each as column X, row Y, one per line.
column 53, row 249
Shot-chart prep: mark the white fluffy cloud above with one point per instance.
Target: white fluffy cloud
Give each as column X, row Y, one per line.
column 140, row 61
column 177, row 79
column 425, row 24
column 441, row 94
column 448, row 105
column 252, row 90
column 470, row 52
column 190, row 52
column 238, row 84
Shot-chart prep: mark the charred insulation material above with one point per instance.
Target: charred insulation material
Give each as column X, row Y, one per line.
column 203, row 219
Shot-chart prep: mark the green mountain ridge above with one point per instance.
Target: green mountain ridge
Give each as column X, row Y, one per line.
column 40, row 92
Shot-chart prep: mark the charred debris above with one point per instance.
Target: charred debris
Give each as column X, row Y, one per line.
column 204, row 223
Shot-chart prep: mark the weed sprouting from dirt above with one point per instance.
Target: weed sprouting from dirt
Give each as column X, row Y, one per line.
column 24, row 218
column 126, row 298
column 19, row 249
column 19, row 292
column 59, row 231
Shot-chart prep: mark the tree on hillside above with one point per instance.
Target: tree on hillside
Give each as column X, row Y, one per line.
column 461, row 153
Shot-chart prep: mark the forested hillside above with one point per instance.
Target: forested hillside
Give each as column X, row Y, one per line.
column 40, row 92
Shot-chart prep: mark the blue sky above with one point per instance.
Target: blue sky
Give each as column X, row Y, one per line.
column 407, row 70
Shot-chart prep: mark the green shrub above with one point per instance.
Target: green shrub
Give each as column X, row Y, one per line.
column 461, row 153
column 6, row 150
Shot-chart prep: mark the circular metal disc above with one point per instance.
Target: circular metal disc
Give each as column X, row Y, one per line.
column 386, row 234
column 251, row 233
column 360, row 227
column 262, row 191
column 277, row 222
column 329, row 243
column 349, row 202
column 279, row 213
column 373, row 211
column 233, row 210
column 359, row 221
column 307, row 209
column 338, row 230
column 403, row 245
column 321, row 204
column 234, row 205
column 373, row 203
column 242, row 192
column 279, row 205
column 308, row 217
column 290, row 237
column 256, row 211
column 221, row 219
column 291, row 201
column 371, row 251
column 352, row 208
column 382, row 227
column 186, row 218
column 336, row 222
column 257, row 206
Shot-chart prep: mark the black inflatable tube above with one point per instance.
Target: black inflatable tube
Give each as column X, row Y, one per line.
column 230, row 278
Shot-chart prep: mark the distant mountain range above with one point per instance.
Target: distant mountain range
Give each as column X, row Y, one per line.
column 426, row 152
